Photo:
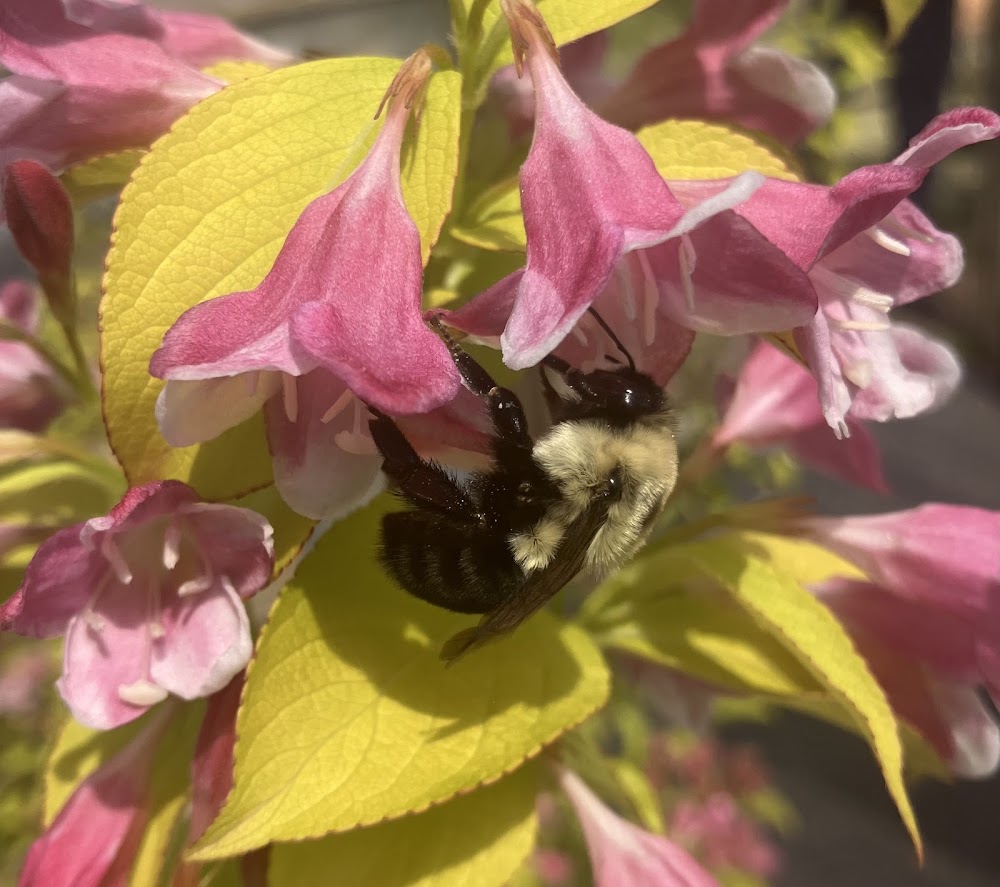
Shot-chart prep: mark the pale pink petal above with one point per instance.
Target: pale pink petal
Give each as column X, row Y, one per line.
column 238, row 542
column 622, row 853
column 205, row 642
column 975, row 734
column 911, row 373
column 322, row 469
column 200, row 40
column 190, row 412
column 107, row 651
column 948, row 132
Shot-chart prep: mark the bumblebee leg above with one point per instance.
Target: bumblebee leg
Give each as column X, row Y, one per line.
column 422, row 483
column 505, row 408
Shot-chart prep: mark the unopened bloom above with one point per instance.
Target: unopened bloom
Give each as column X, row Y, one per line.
column 149, row 598
column 597, row 214
column 30, row 396
column 775, row 403
column 94, row 839
column 335, row 325
column 866, row 250
column 93, row 76
column 714, row 71
column 622, row 854
column 927, row 619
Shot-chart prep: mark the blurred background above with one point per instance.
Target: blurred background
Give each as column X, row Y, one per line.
column 848, row 834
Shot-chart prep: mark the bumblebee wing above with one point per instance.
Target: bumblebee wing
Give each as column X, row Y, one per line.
column 538, row 588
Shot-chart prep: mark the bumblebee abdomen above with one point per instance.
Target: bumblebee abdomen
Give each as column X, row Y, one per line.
column 447, row 565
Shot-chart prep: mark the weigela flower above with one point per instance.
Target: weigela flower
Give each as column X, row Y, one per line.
column 334, row 325
column 92, row 77
column 927, row 619
column 866, row 250
column 622, row 854
column 94, row 839
column 149, row 599
column 714, row 71
column 30, row 396
column 775, row 403
column 600, row 221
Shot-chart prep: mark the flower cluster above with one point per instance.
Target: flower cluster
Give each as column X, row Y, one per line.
column 339, row 363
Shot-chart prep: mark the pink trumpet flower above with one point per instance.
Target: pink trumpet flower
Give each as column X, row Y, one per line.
column 623, row 854
column 774, row 403
column 598, row 215
column 866, row 250
column 94, row 839
column 92, row 77
column 715, row 70
column 927, row 620
column 149, row 599
column 334, row 325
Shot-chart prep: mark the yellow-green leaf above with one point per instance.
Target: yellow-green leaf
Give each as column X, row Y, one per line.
column 493, row 220
column 804, row 561
column 568, row 20
column 232, row 71
column 101, row 175
column 206, row 213
column 783, row 607
column 691, row 149
column 290, row 529
column 349, row 716
column 900, row 13
column 661, row 609
column 477, row 840
column 53, row 494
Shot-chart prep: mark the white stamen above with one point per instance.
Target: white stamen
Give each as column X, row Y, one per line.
column 94, row 622
column 252, row 381
column 872, row 299
column 156, row 630
column 195, row 586
column 650, row 298
column 688, row 259
column 864, row 326
column 142, row 692
column 171, row 545
column 290, row 390
column 624, row 273
column 114, row 557
column 578, row 333
column 841, row 429
column 338, row 407
column 354, row 443
column 887, row 241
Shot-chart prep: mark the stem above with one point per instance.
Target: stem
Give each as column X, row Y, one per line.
column 85, row 382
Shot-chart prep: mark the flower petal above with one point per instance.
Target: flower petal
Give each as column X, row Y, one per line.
column 238, row 542
column 322, row 469
column 205, row 642
column 105, row 652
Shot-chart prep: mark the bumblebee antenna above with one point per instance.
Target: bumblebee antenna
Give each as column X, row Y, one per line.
column 613, row 337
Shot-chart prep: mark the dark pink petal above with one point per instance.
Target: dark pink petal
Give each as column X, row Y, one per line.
column 212, row 765
column 107, row 651
column 93, row 838
column 237, row 542
column 57, row 585
column 622, row 854
column 322, row 469
column 205, row 642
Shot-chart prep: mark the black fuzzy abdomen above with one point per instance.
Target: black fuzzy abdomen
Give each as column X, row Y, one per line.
column 462, row 569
